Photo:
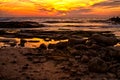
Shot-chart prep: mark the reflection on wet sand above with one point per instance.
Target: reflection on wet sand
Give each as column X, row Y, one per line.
column 27, row 42
column 36, row 42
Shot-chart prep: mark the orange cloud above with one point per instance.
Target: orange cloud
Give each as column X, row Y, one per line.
column 55, row 7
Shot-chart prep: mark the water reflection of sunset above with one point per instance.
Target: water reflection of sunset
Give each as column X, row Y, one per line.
column 30, row 43
column 39, row 41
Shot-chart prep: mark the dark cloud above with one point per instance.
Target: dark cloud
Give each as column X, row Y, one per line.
column 109, row 3
column 82, row 10
column 80, row 13
column 85, row 10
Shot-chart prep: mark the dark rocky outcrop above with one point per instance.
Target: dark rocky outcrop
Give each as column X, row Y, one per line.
column 51, row 46
column 43, row 46
column 25, row 24
column 61, row 45
column 103, row 40
column 76, row 41
column 115, row 19
column 97, row 65
column 93, row 58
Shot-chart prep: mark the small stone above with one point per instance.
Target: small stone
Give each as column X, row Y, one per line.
column 80, row 47
column 51, row 46
column 43, row 46
column 24, row 67
column 114, row 67
column 95, row 47
column 111, row 75
column 29, row 58
column 13, row 62
column 76, row 41
column 27, row 54
column 75, row 52
column 77, row 57
column 22, row 42
column 90, row 42
column 43, row 60
column 92, row 53
column 61, row 45
column 118, row 74
column 104, row 78
column 73, row 70
column 35, row 60
column 59, row 58
column 97, row 65
column 28, row 78
column 85, row 59
column 3, row 64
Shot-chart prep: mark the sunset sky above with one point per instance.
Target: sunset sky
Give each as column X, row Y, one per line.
column 59, row 8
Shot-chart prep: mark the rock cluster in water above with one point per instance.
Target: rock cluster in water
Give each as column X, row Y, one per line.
column 115, row 19
column 98, row 54
column 93, row 58
column 24, row 24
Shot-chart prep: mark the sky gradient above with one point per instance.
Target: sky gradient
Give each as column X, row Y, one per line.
column 59, row 8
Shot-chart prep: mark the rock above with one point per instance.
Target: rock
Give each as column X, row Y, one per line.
column 13, row 44
column 28, row 54
column 73, row 72
column 89, row 42
column 25, row 67
column 114, row 67
column 114, row 52
column 35, row 60
column 111, row 75
column 76, row 41
column 72, row 50
column 22, row 42
column 14, row 62
column 77, row 57
column 108, row 41
column 115, row 19
column 61, row 45
column 58, row 58
column 75, row 52
column 43, row 46
column 92, row 53
column 97, row 65
column 40, row 59
column 95, row 47
column 24, row 24
column 85, row 59
column 29, row 58
column 118, row 74
column 80, row 47
column 119, row 40
column 3, row 64
column 51, row 46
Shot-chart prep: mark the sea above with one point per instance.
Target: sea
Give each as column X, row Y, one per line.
column 64, row 24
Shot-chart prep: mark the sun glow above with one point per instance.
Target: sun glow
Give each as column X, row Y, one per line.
column 65, row 5
column 45, row 7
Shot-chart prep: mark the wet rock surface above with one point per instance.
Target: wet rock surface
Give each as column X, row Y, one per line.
column 101, row 39
column 25, row 24
column 97, row 65
column 93, row 58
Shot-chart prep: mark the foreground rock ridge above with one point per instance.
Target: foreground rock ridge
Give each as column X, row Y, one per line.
column 85, row 56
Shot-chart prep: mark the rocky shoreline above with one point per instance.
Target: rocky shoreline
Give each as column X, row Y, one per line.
column 87, row 55
column 23, row 24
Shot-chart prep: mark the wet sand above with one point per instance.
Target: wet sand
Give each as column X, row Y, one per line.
column 87, row 55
